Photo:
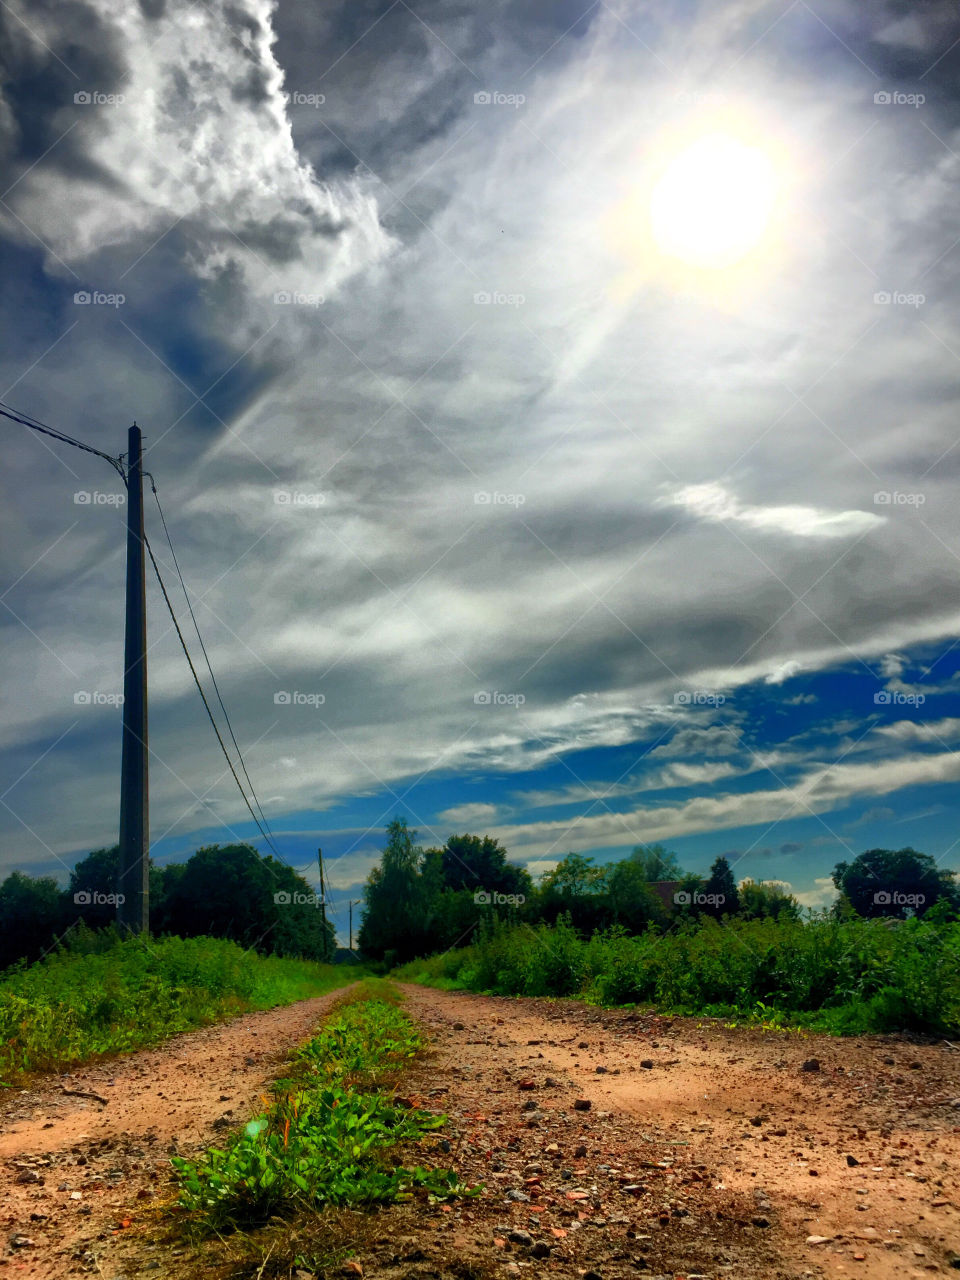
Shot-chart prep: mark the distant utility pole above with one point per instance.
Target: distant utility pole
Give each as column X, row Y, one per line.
column 133, row 907
column 354, row 902
column 323, row 906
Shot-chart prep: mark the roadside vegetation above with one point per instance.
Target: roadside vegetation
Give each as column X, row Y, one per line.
column 325, row 1135
column 99, row 994
column 643, row 930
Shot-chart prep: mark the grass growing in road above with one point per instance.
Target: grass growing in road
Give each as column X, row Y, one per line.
column 110, row 996
column 323, row 1138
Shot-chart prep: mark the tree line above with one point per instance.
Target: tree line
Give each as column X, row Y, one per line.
column 418, row 902
column 222, row 891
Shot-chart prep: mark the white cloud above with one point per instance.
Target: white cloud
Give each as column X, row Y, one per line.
column 714, row 502
column 469, row 814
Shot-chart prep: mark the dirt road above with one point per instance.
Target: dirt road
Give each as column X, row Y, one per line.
column 610, row 1144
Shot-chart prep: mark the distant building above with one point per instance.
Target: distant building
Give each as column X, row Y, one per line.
column 665, row 889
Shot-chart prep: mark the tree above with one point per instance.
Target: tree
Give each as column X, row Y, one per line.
column 902, row 882
column 766, row 899
column 479, row 863
column 575, row 887
column 656, row 863
column 31, row 915
column 630, row 899
column 722, row 886
column 396, row 914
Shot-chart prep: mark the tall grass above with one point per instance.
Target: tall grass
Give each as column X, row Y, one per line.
column 845, row 977
column 100, row 994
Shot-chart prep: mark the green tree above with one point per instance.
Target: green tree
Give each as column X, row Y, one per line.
column 902, row 882
column 760, row 900
column 396, row 914
column 656, row 862
column 721, row 884
column 630, row 899
column 31, row 915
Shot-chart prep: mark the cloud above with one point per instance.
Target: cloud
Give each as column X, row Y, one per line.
column 714, row 502
column 466, row 815
column 783, row 672
column 824, row 894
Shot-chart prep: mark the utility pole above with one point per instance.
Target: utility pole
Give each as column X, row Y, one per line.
column 323, row 905
column 133, row 906
column 354, row 902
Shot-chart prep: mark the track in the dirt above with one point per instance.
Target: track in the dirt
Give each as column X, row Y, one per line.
column 720, row 1158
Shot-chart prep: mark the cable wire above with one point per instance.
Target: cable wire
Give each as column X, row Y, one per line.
column 26, row 420
column 206, row 656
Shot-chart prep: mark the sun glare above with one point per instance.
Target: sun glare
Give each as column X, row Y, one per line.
column 713, row 203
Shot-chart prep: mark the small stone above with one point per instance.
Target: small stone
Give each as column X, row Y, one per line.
column 520, row 1237
column 580, row 1152
column 21, row 1242
column 647, row 1064
column 540, row 1250
column 852, row 1161
column 601, row 1071
column 760, row 1221
column 458, row 1026
column 592, row 1275
column 811, row 1064
column 582, row 1104
column 583, row 1045
column 819, row 1239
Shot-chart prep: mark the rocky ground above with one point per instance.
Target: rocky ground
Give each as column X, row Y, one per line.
column 609, row 1143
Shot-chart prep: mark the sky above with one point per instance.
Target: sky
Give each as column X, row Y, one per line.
column 553, row 407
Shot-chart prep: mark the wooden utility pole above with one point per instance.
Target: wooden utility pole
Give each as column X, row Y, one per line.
column 133, row 886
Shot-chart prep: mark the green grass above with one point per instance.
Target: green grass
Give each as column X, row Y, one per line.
column 846, row 978
column 324, row 1137
column 103, row 995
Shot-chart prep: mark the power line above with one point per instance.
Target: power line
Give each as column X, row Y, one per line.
column 26, row 420
column 206, row 656
column 34, row 424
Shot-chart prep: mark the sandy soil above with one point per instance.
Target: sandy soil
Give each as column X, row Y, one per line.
column 610, row 1144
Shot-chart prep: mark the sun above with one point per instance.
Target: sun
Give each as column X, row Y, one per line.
column 713, row 203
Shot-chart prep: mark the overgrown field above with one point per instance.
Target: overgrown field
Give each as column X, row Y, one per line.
column 323, row 1138
column 846, row 977
column 104, row 995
